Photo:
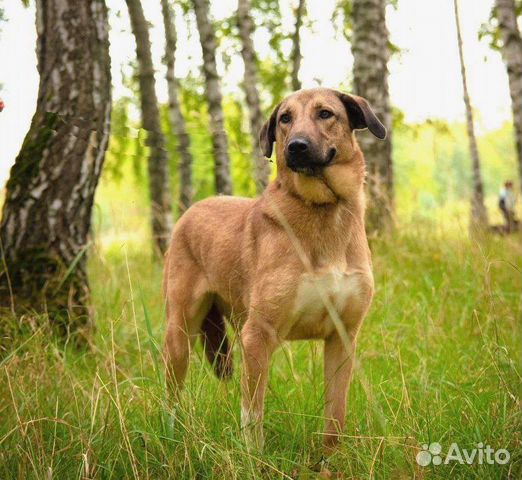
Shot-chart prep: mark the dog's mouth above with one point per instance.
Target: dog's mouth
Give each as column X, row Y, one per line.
column 331, row 155
column 308, row 171
column 312, row 168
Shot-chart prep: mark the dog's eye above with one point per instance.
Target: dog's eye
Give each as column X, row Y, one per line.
column 285, row 118
column 324, row 114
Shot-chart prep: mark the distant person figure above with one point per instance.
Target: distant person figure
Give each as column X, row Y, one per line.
column 506, row 203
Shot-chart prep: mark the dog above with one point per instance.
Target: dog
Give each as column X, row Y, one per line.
column 292, row 264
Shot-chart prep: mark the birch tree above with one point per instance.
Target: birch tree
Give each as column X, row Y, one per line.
column 370, row 48
column 246, row 30
column 207, row 38
column 177, row 122
column 158, row 166
column 479, row 218
column 46, row 217
column 296, row 55
column 511, row 49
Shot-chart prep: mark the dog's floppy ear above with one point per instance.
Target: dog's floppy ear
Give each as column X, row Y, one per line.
column 360, row 115
column 267, row 135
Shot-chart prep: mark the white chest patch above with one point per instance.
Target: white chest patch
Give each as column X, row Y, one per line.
column 334, row 285
column 317, row 294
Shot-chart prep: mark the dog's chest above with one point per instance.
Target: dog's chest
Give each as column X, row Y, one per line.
column 319, row 296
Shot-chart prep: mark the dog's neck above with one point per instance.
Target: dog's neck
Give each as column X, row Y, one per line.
column 308, row 221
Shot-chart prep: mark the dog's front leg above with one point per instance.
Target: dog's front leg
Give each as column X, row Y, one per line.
column 258, row 342
column 339, row 358
column 339, row 355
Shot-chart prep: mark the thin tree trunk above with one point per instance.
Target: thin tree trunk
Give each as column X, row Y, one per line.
column 46, row 218
column 479, row 217
column 158, row 165
column 177, row 122
column 296, row 56
column 512, row 55
column 246, row 30
column 213, row 93
column 371, row 54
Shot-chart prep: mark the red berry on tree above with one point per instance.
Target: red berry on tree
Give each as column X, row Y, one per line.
column 2, row 104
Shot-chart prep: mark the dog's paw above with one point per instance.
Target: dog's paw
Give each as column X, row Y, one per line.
column 325, row 469
column 252, row 430
column 254, row 438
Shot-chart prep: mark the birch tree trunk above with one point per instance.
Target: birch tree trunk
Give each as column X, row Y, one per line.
column 479, row 217
column 371, row 54
column 213, row 93
column 158, row 166
column 296, row 56
column 177, row 122
column 46, row 217
column 246, row 30
column 512, row 55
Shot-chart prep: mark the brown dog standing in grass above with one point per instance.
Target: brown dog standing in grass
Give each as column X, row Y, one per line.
column 293, row 264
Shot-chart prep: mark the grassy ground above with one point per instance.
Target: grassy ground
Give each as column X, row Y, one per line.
column 438, row 361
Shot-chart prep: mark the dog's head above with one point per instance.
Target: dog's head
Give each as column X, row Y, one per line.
column 315, row 145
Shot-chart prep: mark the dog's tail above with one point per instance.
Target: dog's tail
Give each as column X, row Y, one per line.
column 215, row 343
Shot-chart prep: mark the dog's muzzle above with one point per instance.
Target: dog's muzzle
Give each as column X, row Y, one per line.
column 302, row 157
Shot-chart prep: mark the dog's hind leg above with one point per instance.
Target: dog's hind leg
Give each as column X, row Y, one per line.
column 188, row 302
column 215, row 343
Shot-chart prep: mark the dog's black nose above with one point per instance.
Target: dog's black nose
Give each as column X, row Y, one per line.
column 298, row 146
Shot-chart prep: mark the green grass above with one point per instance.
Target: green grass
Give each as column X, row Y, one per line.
column 438, row 361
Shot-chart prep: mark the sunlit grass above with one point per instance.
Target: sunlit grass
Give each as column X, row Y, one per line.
column 438, row 360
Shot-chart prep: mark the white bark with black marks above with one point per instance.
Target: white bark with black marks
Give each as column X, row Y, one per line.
column 158, row 164
column 512, row 55
column 296, row 55
column 479, row 217
column 370, row 48
column 46, row 217
column 207, row 38
column 177, row 122
column 246, row 31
